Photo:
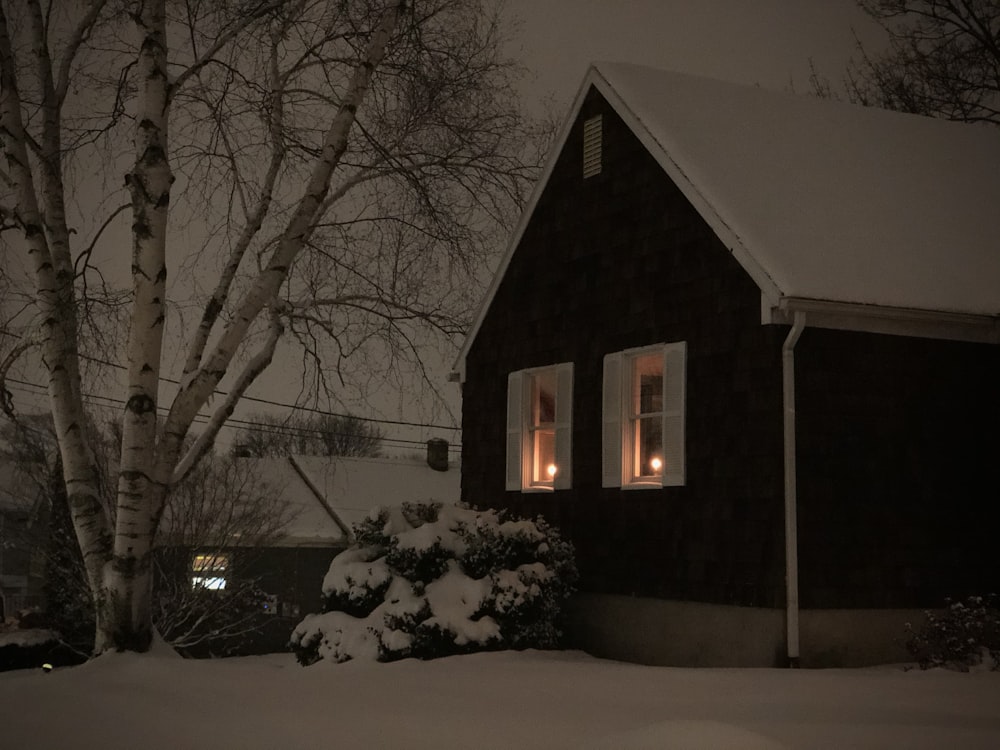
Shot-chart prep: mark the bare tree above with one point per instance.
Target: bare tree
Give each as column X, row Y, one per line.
column 216, row 524
column 347, row 167
column 310, row 435
column 224, row 509
column 943, row 60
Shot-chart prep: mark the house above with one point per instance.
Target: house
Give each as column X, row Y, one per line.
column 326, row 496
column 743, row 350
column 317, row 500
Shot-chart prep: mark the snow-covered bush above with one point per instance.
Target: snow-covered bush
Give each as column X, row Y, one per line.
column 965, row 635
column 430, row 580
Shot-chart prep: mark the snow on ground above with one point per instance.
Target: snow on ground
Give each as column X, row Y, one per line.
column 519, row 700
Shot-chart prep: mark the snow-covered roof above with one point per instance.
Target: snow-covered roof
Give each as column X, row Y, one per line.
column 354, row 486
column 325, row 496
column 822, row 202
column 310, row 523
column 831, row 201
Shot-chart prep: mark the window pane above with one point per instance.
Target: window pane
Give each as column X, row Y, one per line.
column 214, row 584
column 647, row 384
column 543, row 398
column 203, row 563
column 544, row 455
column 649, row 447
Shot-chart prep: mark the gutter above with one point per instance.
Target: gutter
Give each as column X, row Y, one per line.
column 791, row 500
column 897, row 321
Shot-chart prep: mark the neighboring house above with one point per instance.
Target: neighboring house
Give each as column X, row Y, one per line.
column 743, row 350
column 321, row 498
column 23, row 525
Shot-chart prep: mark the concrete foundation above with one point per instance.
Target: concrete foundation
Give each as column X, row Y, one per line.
column 856, row 637
column 693, row 634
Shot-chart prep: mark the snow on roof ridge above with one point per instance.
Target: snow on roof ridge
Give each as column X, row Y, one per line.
column 781, row 266
column 831, row 200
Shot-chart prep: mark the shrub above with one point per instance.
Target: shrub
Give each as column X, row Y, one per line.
column 31, row 647
column 964, row 635
column 426, row 580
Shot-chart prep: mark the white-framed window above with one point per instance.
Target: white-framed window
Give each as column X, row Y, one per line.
column 209, row 570
column 539, row 428
column 643, row 417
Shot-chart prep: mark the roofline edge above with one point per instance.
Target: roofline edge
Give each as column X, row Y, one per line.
column 895, row 321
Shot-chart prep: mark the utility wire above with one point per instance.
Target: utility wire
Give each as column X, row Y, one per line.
column 235, row 423
column 218, row 392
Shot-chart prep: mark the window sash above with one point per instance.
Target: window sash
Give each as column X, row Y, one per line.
column 627, row 452
column 539, row 428
column 645, row 444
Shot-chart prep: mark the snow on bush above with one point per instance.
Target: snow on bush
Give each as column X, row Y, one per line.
column 430, row 580
column 964, row 636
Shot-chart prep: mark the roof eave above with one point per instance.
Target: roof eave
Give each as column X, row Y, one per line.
column 896, row 321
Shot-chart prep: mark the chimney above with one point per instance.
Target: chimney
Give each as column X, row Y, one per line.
column 437, row 454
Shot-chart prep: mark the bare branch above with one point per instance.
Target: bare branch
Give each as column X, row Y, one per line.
column 249, row 16
column 943, row 60
column 265, row 288
column 255, row 220
column 85, row 255
column 73, row 43
column 257, row 364
column 12, row 356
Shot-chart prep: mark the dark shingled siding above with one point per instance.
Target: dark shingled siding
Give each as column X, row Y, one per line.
column 616, row 261
column 897, row 438
column 898, row 469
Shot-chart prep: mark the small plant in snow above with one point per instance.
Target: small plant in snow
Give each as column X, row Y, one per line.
column 964, row 636
column 426, row 580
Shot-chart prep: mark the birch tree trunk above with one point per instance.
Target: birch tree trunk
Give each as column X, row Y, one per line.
column 47, row 240
column 127, row 621
column 440, row 131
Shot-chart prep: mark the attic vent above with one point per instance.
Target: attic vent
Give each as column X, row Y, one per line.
column 592, row 146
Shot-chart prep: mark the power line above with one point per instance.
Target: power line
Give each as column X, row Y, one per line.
column 218, row 392
column 235, row 423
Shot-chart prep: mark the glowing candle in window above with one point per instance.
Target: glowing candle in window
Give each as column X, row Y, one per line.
column 656, row 464
column 551, row 470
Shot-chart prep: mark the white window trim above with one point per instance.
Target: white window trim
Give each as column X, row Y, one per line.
column 518, row 475
column 616, row 408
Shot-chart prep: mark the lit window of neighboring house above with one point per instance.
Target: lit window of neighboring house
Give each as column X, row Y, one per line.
column 208, row 570
column 643, row 410
column 539, row 428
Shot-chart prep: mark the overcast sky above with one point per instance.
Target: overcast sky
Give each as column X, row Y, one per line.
column 758, row 42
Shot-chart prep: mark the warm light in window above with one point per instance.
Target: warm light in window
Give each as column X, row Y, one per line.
column 210, row 562
column 213, row 583
column 551, row 470
column 656, row 463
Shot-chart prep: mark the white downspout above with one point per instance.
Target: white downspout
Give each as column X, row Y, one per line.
column 791, row 525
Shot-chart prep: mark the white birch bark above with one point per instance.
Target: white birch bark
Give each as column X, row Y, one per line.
column 46, row 240
column 118, row 560
column 140, row 489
